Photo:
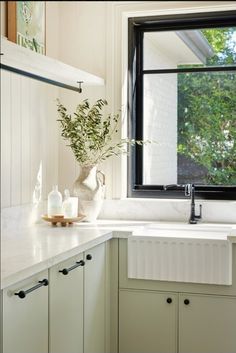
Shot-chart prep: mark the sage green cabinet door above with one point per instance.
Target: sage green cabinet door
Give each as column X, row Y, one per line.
column 147, row 322
column 66, row 307
column 94, row 300
column 25, row 321
column 207, row 324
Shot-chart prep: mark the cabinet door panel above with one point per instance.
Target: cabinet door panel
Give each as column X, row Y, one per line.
column 25, row 321
column 207, row 324
column 66, row 308
column 147, row 323
column 94, row 300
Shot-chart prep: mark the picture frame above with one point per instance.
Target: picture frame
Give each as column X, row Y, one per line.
column 26, row 24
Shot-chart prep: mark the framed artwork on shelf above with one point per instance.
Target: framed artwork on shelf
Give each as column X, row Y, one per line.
column 26, row 24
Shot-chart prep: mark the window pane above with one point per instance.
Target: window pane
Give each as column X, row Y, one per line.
column 192, row 117
column 190, row 48
column 160, row 125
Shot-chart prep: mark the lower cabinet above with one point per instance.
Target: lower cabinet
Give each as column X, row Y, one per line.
column 77, row 304
column 66, row 306
column 66, row 310
column 94, row 300
column 60, row 311
column 147, row 322
column 207, row 324
column 25, row 316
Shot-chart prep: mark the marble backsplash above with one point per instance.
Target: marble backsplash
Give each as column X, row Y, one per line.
column 129, row 209
column 24, row 216
column 168, row 210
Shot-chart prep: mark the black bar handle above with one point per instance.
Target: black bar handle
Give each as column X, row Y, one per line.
column 65, row 271
column 22, row 293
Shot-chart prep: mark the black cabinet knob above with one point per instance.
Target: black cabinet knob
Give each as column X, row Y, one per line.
column 89, row 257
column 44, row 282
column 169, row 300
column 21, row 294
column 64, row 271
column 186, row 301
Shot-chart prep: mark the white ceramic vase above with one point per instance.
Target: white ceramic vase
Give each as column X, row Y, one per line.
column 89, row 187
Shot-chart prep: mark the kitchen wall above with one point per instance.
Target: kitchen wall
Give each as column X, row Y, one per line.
column 33, row 155
column 29, row 140
column 3, row 17
column 29, row 131
column 92, row 36
column 84, row 46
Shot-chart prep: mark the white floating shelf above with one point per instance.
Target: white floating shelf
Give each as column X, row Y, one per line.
column 29, row 63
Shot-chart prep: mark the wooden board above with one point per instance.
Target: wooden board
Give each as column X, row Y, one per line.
column 11, row 20
column 54, row 220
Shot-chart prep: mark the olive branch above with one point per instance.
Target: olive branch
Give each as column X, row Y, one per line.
column 90, row 134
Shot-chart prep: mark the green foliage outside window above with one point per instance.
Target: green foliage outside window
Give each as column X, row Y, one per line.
column 207, row 112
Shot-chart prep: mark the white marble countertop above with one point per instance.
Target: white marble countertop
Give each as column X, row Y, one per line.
column 28, row 250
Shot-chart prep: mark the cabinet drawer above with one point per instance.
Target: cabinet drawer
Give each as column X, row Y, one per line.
column 125, row 282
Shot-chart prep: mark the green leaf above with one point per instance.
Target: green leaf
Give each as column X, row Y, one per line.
column 90, row 132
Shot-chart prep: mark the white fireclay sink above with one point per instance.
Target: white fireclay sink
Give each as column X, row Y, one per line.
column 185, row 230
column 182, row 253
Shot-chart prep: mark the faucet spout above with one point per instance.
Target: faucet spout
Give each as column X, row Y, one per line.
column 189, row 191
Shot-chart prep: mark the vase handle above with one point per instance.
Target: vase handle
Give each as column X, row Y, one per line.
column 103, row 178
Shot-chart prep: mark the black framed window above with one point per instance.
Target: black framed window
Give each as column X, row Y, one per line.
column 182, row 97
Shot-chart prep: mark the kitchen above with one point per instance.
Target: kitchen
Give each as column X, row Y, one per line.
column 136, row 276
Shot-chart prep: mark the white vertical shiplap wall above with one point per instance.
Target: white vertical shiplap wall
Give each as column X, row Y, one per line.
column 29, row 139
column 85, row 49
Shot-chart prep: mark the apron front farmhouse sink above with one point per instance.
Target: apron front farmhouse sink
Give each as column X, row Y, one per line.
column 182, row 253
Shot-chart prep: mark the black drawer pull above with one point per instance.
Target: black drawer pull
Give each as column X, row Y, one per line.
column 169, row 300
column 186, row 301
column 89, row 257
column 65, row 271
column 22, row 293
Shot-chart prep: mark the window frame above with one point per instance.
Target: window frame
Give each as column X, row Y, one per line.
column 136, row 27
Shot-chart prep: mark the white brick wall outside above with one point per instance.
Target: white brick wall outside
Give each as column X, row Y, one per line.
column 160, row 118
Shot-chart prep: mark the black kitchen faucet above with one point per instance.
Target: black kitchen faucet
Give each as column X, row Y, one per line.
column 189, row 191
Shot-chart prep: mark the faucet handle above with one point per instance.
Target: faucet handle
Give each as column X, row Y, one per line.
column 187, row 189
column 200, row 214
column 200, row 208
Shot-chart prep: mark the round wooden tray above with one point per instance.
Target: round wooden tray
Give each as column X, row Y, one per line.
column 62, row 220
